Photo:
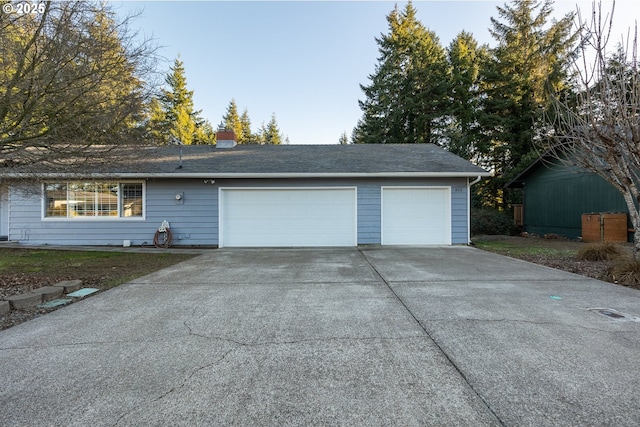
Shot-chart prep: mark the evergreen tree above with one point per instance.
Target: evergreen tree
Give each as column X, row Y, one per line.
column 231, row 121
column 177, row 101
column 261, row 135
column 241, row 125
column 157, row 125
column 245, row 126
column 407, row 99
column 624, row 71
column 204, row 134
column 177, row 120
column 530, row 61
column 356, row 134
column 272, row 133
column 465, row 59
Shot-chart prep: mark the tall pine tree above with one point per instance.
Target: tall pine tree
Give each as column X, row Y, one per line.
column 241, row 125
column 176, row 120
column 245, row 126
column 231, row 120
column 407, row 97
column 530, row 60
column 465, row 59
column 272, row 133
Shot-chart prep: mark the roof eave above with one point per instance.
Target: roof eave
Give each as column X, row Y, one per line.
column 198, row 175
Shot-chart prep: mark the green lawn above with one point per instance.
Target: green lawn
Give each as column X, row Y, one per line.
column 104, row 269
column 528, row 247
column 31, row 261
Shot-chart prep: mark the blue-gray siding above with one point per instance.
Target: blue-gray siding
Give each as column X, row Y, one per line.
column 194, row 221
column 191, row 221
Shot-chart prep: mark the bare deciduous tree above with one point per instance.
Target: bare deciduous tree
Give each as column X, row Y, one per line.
column 71, row 85
column 597, row 127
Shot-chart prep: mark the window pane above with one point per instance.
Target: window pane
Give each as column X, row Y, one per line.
column 131, row 199
column 106, row 199
column 56, row 199
column 82, row 199
column 93, row 199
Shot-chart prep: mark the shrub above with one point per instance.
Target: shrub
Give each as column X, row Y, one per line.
column 492, row 222
column 599, row 252
column 626, row 271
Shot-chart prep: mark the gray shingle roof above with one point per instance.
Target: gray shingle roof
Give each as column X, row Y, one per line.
column 264, row 161
column 307, row 160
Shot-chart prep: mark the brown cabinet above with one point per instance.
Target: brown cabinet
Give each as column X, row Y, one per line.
column 604, row 227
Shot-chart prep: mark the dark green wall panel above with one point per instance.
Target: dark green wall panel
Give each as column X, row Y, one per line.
column 555, row 198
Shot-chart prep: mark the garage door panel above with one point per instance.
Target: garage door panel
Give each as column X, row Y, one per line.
column 416, row 216
column 288, row 217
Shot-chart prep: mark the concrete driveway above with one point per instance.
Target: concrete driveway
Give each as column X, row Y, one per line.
column 376, row 336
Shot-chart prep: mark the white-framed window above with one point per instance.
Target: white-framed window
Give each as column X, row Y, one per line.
column 94, row 199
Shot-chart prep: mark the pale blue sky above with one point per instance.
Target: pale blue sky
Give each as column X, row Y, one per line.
column 302, row 60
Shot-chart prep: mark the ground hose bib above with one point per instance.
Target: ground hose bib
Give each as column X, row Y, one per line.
column 163, row 237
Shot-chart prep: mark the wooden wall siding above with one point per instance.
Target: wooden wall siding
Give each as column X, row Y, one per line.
column 555, row 198
column 195, row 220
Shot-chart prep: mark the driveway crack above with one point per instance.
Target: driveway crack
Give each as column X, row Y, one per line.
column 191, row 375
column 428, row 334
column 177, row 388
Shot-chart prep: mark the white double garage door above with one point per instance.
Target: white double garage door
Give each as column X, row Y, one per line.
column 328, row 216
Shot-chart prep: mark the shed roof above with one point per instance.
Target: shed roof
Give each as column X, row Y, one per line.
column 246, row 161
column 520, row 179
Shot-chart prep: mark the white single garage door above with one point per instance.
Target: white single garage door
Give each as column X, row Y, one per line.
column 272, row 217
column 416, row 216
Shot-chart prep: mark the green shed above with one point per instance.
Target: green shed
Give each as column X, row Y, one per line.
column 556, row 196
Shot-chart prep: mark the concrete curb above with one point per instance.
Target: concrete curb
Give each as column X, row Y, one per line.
column 49, row 292
column 24, row 300
column 38, row 296
column 69, row 285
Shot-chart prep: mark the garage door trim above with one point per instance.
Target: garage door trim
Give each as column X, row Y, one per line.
column 416, row 187
column 221, row 207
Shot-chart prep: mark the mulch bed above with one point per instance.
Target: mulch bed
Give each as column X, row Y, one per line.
column 594, row 269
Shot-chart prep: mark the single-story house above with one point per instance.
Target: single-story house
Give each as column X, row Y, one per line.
column 555, row 196
column 251, row 195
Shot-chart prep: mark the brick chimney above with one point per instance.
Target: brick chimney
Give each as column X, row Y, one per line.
column 226, row 138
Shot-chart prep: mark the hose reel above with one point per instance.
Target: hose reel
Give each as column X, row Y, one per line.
column 163, row 237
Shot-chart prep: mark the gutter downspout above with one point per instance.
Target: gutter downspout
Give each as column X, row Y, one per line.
column 475, row 181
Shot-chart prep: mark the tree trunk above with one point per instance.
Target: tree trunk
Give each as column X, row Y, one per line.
column 635, row 221
column 636, row 239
